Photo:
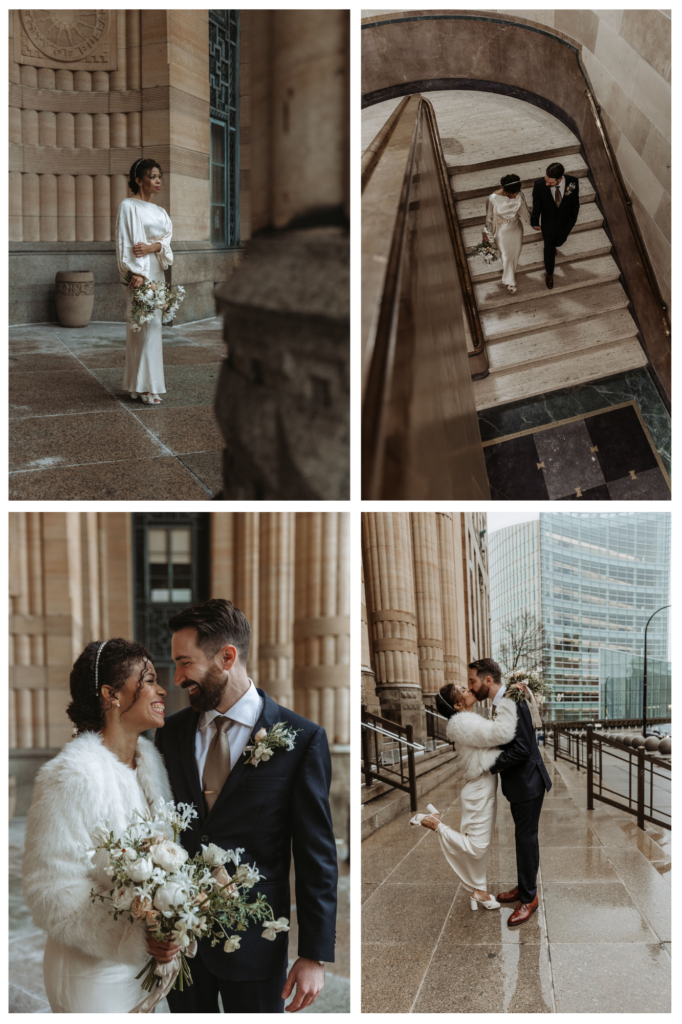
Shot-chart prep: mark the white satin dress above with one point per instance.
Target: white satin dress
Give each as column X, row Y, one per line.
column 504, row 227
column 139, row 221
column 467, row 851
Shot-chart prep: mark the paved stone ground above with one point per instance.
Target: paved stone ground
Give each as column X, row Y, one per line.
column 26, row 944
column 599, row 942
column 76, row 435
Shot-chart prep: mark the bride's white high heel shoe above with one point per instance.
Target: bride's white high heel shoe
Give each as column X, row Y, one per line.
column 150, row 399
column 134, row 395
column 491, row 904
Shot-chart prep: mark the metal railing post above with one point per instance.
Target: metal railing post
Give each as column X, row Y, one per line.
column 640, row 788
column 590, row 801
column 556, row 735
column 411, row 769
column 367, row 765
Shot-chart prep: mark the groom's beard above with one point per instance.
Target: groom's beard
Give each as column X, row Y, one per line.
column 481, row 692
column 210, row 692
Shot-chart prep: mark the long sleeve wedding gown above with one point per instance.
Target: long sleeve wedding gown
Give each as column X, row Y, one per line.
column 504, row 227
column 476, row 740
column 140, row 221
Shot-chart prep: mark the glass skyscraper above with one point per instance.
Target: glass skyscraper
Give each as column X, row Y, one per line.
column 592, row 580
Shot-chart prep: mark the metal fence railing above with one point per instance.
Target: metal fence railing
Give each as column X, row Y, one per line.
column 400, row 772
column 436, row 727
column 625, row 777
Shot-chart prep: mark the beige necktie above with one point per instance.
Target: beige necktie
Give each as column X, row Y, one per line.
column 557, row 196
column 217, row 765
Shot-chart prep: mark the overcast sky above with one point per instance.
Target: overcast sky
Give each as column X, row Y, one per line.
column 498, row 520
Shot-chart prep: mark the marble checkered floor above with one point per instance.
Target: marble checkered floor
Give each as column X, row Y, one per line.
column 74, row 433
column 599, row 942
column 26, row 944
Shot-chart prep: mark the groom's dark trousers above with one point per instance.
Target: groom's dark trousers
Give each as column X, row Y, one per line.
column 271, row 811
column 524, row 782
column 556, row 222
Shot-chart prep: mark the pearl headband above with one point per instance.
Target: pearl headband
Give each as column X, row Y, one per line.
column 97, row 661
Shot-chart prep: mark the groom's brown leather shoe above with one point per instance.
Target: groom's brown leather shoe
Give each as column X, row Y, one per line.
column 509, row 897
column 523, row 912
column 549, row 280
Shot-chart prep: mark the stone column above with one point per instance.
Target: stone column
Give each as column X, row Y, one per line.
column 427, row 594
column 282, row 398
column 368, row 682
column 388, row 562
column 246, row 557
column 451, row 598
column 276, row 606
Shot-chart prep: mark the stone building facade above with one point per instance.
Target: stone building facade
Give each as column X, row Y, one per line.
column 426, row 608
column 77, row 577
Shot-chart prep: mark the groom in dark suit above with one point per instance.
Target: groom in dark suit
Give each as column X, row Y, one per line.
column 556, row 204
column 524, row 783
column 274, row 808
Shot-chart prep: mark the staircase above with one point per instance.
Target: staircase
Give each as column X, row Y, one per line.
column 382, row 803
column 539, row 340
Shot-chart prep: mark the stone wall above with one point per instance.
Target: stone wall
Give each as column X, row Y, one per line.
column 75, row 130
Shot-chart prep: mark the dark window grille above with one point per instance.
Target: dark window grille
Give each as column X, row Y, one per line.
column 223, row 48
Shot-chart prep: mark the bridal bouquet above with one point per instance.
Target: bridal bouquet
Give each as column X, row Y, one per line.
column 535, row 683
column 150, row 296
column 178, row 898
column 485, row 249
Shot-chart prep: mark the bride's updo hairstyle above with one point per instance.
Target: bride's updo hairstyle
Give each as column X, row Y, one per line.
column 511, row 183
column 141, row 169
column 116, row 660
column 446, row 700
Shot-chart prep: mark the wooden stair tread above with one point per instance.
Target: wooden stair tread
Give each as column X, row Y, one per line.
column 530, row 316
column 545, row 155
column 557, row 373
column 589, row 218
column 472, row 211
column 482, row 183
column 531, row 286
column 578, row 246
column 508, row 353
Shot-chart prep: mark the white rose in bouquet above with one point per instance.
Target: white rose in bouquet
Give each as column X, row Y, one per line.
column 141, row 869
column 169, row 855
column 172, row 894
column 123, row 898
column 213, row 855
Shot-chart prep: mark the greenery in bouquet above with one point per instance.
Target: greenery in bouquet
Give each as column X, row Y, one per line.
column 533, row 680
column 178, row 898
column 150, row 296
column 485, row 249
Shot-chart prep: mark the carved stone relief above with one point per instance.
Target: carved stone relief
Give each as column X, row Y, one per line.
column 79, row 40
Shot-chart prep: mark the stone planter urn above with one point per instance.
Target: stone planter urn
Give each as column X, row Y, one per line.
column 75, row 297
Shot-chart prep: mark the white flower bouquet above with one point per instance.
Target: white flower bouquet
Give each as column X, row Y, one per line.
column 485, row 249
column 533, row 680
column 178, row 898
column 150, row 296
column 266, row 741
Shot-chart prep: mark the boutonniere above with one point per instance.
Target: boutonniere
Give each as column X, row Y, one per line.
column 267, row 741
column 570, row 188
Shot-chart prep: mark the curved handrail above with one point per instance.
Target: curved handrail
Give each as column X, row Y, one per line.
column 371, row 156
column 627, row 203
column 457, row 240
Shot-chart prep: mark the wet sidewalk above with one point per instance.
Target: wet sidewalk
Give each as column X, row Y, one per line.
column 598, row 943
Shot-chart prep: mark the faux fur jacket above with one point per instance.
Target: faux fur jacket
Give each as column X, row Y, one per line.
column 84, row 786
column 477, row 739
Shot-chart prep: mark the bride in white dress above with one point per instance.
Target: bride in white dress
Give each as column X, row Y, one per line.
column 143, row 247
column 102, row 777
column 477, row 742
column 505, row 211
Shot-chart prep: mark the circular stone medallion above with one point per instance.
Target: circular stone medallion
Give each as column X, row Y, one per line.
column 67, row 36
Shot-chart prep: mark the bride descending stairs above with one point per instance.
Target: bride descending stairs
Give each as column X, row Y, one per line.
column 540, row 340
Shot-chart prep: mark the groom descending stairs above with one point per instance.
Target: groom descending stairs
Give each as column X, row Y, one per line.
column 556, row 204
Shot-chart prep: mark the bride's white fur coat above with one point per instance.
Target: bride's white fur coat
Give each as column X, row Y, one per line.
column 477, row 739
column 84, row 786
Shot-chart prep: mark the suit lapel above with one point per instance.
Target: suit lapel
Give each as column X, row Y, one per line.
column 189, row 762
column 268, row 716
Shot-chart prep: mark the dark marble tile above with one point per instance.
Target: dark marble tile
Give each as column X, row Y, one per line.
column 513, row 472
column 622, row 445
column 569, row 465
column 60, row 391
column 161, row 479
column 42, row 443
column 591, row 494
column 648, row 486
column 184, row 429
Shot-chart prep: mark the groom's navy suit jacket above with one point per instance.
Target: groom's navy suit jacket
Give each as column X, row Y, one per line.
column 280, row 806
column 520, row 766
column 557, row 220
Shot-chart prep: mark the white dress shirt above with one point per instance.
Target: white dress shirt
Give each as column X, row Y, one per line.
column 497, row 699
column 562, row 187
column 243, row 716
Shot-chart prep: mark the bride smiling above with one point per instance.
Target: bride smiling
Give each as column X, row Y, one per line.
column 105, row 775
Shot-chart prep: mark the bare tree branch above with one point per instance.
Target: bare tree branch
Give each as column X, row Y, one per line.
column 521, row 644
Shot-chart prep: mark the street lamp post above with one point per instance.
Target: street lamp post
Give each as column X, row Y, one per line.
column 644, row 681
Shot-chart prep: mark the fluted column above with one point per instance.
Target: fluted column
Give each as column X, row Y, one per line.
column 246, row 536
column 389, row 583
column 454, row 653
column 368, row 682
column 427, row 594
column 322, row 623
column 276, row 606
